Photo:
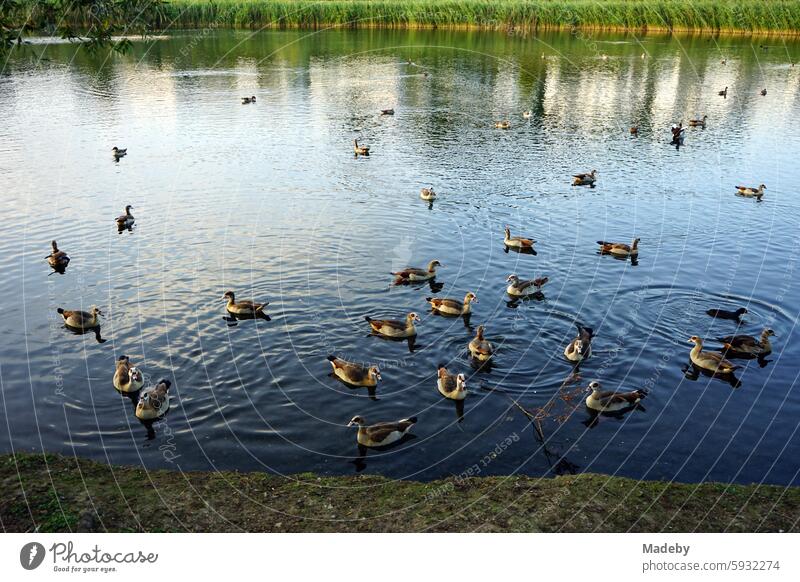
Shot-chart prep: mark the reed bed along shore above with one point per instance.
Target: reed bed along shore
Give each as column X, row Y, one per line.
column 711, row 16
column 678, row 15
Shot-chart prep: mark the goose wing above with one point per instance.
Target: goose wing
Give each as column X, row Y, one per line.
column 378, row 324
column 408, row 271
column 611, row 397
column 451, row 303
column 351, row 370
column 379, row 432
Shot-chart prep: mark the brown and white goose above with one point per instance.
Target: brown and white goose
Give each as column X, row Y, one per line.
column 480, row 348
column 355, row 374
column 698, row 122
column 452, row 386
column 747, row 344
column 427, row 194
column 57, row 258
column 410, row 274
column 751, row 191
column 382, row 433
column 518, row 242
column 619, row 249
column 243, row 307
column 711, row 361
column 80, row 319
column 127, row 378
column 360, row 150
column 394, row 327
column 610, row 401
column 520, row 288
column 453, row 306
column 504, row 124
column 154, row 402
column 580, row 348
column 125, row 220
column 585, row 179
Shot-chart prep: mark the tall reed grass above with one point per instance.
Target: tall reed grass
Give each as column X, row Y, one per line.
column 701, row 15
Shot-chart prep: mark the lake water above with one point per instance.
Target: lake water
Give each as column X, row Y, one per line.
column 268, row 200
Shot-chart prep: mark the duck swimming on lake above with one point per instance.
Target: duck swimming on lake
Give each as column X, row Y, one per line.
column 453, row 306
column 452, row 386
column 382, row 433
column 520, row 288
column 619, row 249
column 725, row 314
column 411, row 274
column 57, row 259
column 610, row 401
column 393, row 327
column 711, row 361
column 518, row 242
column 480, row 348
column 360, row 150
column 127, row 378
column 125, row 220
column 355, row 374
column 585, row 179
column 750, row 191
column 747, row 344
column 243, row 307
column 80, row 320
column 154, row 402
column 427, row 194
column 580, row 348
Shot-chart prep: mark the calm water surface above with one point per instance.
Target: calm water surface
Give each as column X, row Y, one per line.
column 269, row 201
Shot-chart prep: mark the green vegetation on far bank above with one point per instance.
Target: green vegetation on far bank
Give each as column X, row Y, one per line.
column 55, row 493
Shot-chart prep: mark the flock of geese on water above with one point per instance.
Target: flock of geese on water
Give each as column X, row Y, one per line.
column 154, row 401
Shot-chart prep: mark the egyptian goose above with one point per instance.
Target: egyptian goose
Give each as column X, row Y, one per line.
column 382, row 433
column 80, row 319
column 125, row 220
column 154, row 402
column 747, row 344
column 580, row 348
column 246, row 100
column 517, row 241
column 394, row 327
column 452, row 386
column 586, row 179
column 610, row 401
column 479, row 348
column 519, row 288
column 749, row 191
column 427, row 194
column 127, row 378
column 711, row 361
column 526, row 114
column 698, row 122
column 243, row 307
column 723, row 93
column 505, row 124
column 387, row 111
column 763, row 91
column 57, row 258
column 453, row 306
column 410, row 274
column 355, row 374
column 619, row 249
column 360, row 150
column 119, row 152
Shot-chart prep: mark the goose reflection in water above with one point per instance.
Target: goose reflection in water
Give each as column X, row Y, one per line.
column 233, row 319
column 692, row 372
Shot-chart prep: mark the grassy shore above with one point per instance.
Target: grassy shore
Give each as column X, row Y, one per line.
column 679, row 15
column 54, row 493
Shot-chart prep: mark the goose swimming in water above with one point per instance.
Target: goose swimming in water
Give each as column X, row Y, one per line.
column 355, row 374
column 410, row 274
column 80, row 319
column 580, row 348
column 125, row 220
column 452, row 386
column 747, row 344
column 585, row 179
column 394, row 327
column 382, row 433
column 360, row 150
column 243, row 307
column 247, row 100
column 127, row 378
column 154, row 402
column 520, row 288
column 387, row 111
column 118, row 153
column 505, row 124
column 517, row 241
column 610, row 401
column 723, row 93
column 750, row 191
column 619, row 249
column 698, row 122
column 453, row 306
column 57, row 258
column 427, row 194
column 711, row 361
column 480, row 348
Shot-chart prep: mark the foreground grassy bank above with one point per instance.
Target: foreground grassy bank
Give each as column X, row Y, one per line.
column 54, row 493
column 763, row 16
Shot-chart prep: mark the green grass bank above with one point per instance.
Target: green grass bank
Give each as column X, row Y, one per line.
column 54, row 493
column 758, row 16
